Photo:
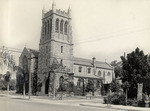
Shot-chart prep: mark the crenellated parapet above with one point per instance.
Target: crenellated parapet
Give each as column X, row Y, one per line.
column 62, row 12
column 58, row 12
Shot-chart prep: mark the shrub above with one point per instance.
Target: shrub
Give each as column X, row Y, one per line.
column 105, row 100
column 115, row 99
column 122, row 99
column 141, row 103
column 131, row 102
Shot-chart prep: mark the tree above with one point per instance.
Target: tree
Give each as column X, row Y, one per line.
column 115, row 86
column 20, row 78
column 6, row 59
column 7, row 79
column 134, row 68
column 90, row 86
column 126, row 86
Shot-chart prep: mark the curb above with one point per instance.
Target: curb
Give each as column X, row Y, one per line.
column 110, row 107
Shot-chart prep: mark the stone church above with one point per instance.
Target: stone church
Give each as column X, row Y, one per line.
column 54, row 66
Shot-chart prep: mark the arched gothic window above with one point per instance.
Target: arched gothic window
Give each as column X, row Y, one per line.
column 57, row 25
column 99, row 73
column 45, row 27
column 66, row 27
column 48, row 26
column 61, row 26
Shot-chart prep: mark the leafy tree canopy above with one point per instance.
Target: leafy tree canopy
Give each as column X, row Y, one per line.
column 115, row 86
column 135, row 68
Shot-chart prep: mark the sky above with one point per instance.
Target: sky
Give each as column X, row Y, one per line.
column 103, row 29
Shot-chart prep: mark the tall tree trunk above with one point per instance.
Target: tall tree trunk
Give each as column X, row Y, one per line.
column 126, row 96
column 24, row 90
column 29, row 92
column 8, row 88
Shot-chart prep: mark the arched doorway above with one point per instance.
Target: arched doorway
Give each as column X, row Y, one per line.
column 46, row 86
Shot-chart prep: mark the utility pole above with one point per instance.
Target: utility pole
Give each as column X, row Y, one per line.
column 30, row 78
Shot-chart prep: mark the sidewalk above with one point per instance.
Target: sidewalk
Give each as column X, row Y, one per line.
column 75, row 101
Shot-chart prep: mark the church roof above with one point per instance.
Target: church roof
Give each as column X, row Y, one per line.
column 87, row 76
column 88, row 62
column 33, row 51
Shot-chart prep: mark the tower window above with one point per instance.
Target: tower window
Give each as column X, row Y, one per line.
column 57, row 25
column 45, row 27
column 66, row 27
column 61, row 26
column 46, row 49
column 61, row 62
column 61, row 49
column 80, row 69
column 48, row 26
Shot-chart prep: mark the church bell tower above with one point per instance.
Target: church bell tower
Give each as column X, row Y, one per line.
column 56, row 39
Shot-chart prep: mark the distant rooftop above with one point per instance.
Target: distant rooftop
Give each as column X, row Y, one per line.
column 33, row 51
column 88, row 62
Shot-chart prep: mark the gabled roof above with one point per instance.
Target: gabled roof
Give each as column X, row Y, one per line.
column 33, row 51
column 87, row 62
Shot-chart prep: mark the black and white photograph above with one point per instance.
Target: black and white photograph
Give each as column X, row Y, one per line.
column 74, row 55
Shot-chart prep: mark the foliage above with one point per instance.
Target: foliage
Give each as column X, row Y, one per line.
column 131, row 102
column 3, row 84
column 20, row 80
column 146, row 84
column 141, row 103
column 115, row 86
column 117, row 99
column 6, row 59
column 34, row 88
column 61, row 88
column 134, row 68
column 105, row 100
column 90, row 86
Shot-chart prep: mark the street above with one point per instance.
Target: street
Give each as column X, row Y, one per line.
column 15, row 104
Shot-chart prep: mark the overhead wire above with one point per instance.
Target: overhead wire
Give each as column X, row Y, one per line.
column 91, row 40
